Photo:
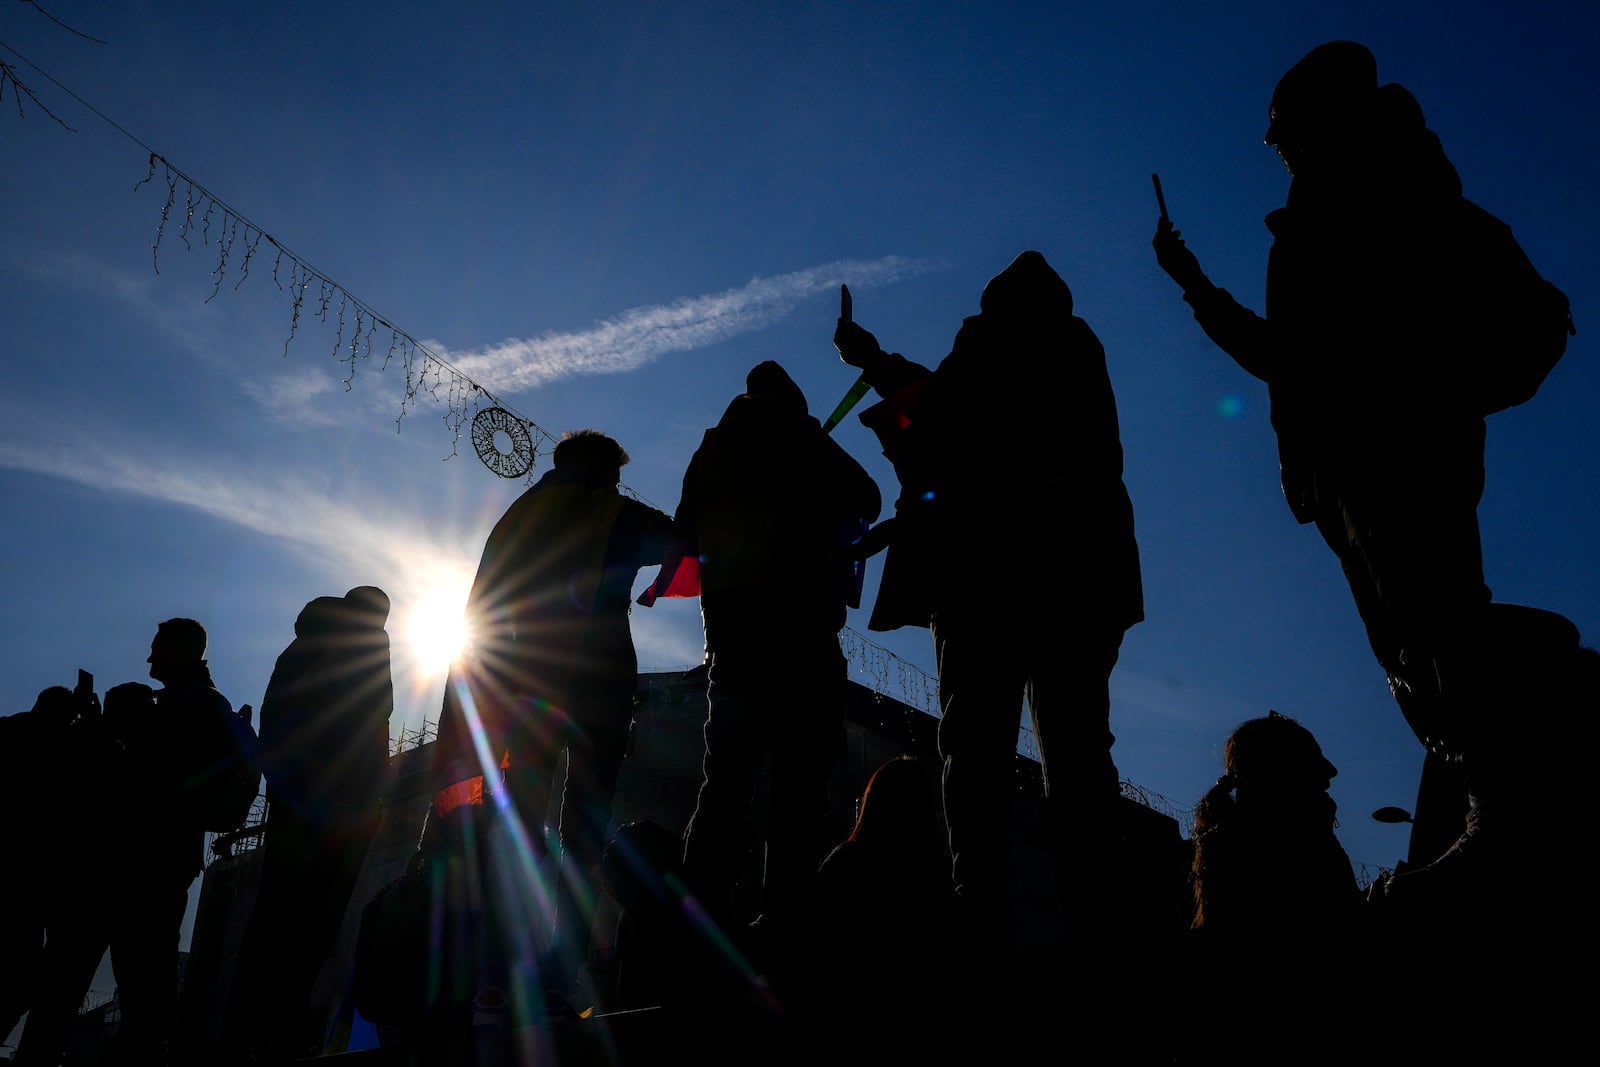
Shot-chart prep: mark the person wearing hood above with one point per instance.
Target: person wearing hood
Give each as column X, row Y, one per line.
column 1398, row 315
column 770, row 505
column 1010, row 465
column 324, row 752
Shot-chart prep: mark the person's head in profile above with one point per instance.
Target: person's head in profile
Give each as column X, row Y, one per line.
column 1267, row 819
column 177, row 651
column 1321, row 105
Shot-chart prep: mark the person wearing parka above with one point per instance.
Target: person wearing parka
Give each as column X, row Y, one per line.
column 324, row 753
column 1398, row 315
column 1013, row 540
column 769, row 507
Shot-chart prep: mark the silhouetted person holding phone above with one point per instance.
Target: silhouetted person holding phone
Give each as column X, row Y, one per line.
column 1013, row 541
column 179, row 744
column 1398, row 315
column 324, row 751
column 81, row 913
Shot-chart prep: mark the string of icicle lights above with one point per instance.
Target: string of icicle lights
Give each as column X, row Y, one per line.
column 195, row 213
column 509, row 443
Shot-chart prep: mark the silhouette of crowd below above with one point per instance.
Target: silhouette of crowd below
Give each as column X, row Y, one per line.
column 1399, row 316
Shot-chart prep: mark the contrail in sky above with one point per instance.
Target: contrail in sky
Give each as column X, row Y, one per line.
column 624, row 342
column 644, row 334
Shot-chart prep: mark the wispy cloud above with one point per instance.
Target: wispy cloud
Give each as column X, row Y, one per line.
column 644, row 334
column 288, row 395
column 166, row 308
column 348, row 534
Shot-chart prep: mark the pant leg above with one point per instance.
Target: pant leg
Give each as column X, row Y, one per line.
column 809, row 711
column 737, row 736
column 309, row 868
column 78, row 935
column 1414, row 564
column 1069, row 700
column 22, row 927
column 980, row 695
column 1415, row 570
column 602, row 707
column 144, row 960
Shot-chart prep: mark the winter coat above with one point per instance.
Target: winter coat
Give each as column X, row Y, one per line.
column 769, row 507
column 325, row 714
column 1010, row 464
column 1384, row 343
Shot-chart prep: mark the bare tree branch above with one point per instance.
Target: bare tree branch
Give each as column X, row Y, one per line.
column 8, row 75
column 35, row 5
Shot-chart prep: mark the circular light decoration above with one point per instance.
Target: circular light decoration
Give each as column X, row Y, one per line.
column 503, row 442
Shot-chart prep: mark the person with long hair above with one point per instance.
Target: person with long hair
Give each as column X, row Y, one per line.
column 1276, row 901
column 1266, row 861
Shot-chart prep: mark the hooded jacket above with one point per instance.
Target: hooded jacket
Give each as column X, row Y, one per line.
column 769, row 505
column 1010, row 464
column 1396, row 316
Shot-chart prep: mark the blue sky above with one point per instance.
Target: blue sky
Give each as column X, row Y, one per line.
column 607, row 213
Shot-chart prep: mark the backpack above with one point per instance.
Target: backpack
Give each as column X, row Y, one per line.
column 1517, row 321
column 220, row 799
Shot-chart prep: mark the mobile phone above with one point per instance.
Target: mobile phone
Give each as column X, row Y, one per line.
column 85, row 682
column 1161, row 201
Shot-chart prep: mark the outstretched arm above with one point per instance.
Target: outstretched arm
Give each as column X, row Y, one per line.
column 884, row 371
column 1236, row 329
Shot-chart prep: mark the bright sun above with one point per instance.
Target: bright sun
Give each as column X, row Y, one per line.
column 436, row 626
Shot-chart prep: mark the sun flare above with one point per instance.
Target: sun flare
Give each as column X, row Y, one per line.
column 436, row 627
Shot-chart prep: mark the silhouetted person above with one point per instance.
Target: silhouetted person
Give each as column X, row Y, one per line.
column 1010, row 467
column 175, row 739
column 173, row 756
column 1267, row 865
column 552, row 667
column 769, row 504
column 883, row 902
column 661, row 957
column 36, row 760
column 324, row 751
column 79, row 921
column 1398, row 315
column 1276, row 904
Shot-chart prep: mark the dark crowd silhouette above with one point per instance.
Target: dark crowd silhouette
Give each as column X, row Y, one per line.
column 1399, row 316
